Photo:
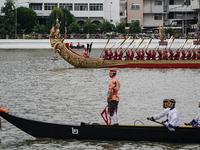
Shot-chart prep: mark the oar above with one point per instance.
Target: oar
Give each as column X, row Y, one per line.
column 105, row 47
column 120, row 44
column 128, row 46
column 181, row 47
column 159, row 122
column 149, row 43
column 139, row 44
column 169, row 41
column 124, row 42
column 136, row 43
column 172, row 41
column 196, row 44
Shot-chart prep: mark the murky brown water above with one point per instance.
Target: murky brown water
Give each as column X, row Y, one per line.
column 33, row 86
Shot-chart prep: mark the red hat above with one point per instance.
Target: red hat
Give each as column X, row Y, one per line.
column 113, row 71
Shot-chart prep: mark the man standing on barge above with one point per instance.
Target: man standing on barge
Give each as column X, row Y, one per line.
column 113, row 98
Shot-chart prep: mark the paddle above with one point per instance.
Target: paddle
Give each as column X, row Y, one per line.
column 120, row 44
column 172, row 42
column 128, row 46
column 169, row 41
column 149, row 43
column 196, row 44
column 157, row 122
column 181, row 47
column 139, row 44
column 105, row 47
column 124, row 43
column 136, row 43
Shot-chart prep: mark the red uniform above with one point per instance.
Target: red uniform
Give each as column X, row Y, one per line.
column 188, row 57
column 115, row 55
column 106, row 55
column 110, row 55
column 120, row 55
column 160, row 55
column 176, row 56
column 194, row 55
column 131, row 55
column 171, row 56
column 183, row 55
column 153, row 55
column 142, row 55
column 138, row 55
column 165, row 55
column 198, row 56
column 148, row 55
column 127, row 55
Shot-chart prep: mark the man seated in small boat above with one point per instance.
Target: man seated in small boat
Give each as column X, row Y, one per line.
column 85, row 53
column 165, row 55
column 105, row 56
column 110, row 55
column 194, row 54
column 188, row 56
column 71, row 44
column 183, row 55
column 148, row 55
column 173, row 117
column 195, row 122
column 78, row 45
column 120, row 55
column 198, row 56
column 131, row 55
column 115, row 55
column 127, row 55
column 163, row 113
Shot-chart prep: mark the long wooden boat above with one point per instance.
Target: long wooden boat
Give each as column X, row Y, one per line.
column 96, row 131
column 77, row 60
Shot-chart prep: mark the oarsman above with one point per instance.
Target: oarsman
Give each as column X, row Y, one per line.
column 153, row 55
column 85, row 53
column 160, row 55
column 127, row 55
column 138, row 55
column 163, row 113
column 106, row 55
column 194, row 54
column 171, row 56
column 195, row 122
column 115, row 55
column 188, row 56
column 177, row 55
column 165, row 55
column 148, row 55
column 142, row 55
column 183, row 55
column 173, row 117
column 120, row 55
column 198, row 56
column 131, row 55
column 113, row 98
column 110, row 55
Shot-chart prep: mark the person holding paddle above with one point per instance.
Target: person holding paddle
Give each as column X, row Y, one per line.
column 195, row 122
column 163, row 113
column 113, row 98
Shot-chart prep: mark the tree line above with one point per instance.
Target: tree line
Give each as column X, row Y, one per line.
column 27, row 22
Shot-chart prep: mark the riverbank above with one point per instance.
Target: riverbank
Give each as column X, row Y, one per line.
column 97, row 43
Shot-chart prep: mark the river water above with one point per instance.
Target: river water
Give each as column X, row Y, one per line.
column 35, row 87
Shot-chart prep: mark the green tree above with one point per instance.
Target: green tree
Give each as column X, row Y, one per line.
column 69, row 18
column 89, row 27
column 105, row 26
column 170, row 31
column 7, row 23
column 135, row 27
column 74, row 28
column 26, row 18
column 120, row 27
column 39, row 28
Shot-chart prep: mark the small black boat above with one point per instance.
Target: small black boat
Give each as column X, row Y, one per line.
column 77, row 47
column 96, row 131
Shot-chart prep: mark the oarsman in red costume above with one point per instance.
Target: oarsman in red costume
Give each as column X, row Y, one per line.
column 148, row 54
column 110, row 55
column 198, row 56
column 171, row 56
column 183, row 55
column 177, row 55
column 194, row 55
column 131, row 55
column 142, row 55
column 153, row 55
column 120, row 55
column 188, row 56
column 160, row 55
column 113, row 98
column 127, row 57
column 115, row 55
column 106, row 55
column 165, row 55
column 138, row 55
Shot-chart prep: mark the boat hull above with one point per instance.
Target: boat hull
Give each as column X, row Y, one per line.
column 78, row 61
column 85, row 131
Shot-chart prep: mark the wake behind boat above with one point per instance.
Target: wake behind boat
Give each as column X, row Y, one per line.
column 87, row 131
